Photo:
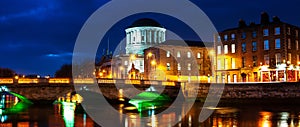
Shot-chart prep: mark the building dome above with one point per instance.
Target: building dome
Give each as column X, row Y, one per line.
column 145, row 22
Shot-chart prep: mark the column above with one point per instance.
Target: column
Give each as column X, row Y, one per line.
column 150, row 36
column 155, row 36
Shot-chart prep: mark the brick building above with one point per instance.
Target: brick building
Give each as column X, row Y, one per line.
column 263, row 52
column 178, row 61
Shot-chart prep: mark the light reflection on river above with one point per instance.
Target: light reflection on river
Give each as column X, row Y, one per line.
column 69, row 115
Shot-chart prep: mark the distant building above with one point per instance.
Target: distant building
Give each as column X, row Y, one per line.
column 142, row 34
column 178, row 61
column 263, row 52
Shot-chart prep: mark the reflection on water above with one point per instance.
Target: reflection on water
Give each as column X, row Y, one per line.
column 70, row 114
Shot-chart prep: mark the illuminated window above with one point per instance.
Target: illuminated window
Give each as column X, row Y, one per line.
column 168, row 66
column 219, row 49
column 290, row 57
column 226, row 63
column 278, row 58
column 266, row 32
column 266, row 44
column 232, row 48
column 254, row 46
column 225, row 37
column 219, row 64
column 125, row 62
column 198, row 55
column 244, row 47
column 178, row 54
column 178, row 67
column 277, row 31
column 168, row 53
column 266, row 59
column 189, row 54
column 225, row 49
column 277, row 43
column 233, row 63
column 189, row 67
column 289, row 44
column 232, row 36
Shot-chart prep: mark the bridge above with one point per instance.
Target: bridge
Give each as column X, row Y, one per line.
column 127, row 88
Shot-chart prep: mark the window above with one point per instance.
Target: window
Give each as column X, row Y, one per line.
column 296, row 33
column 225, row 49
column 219, row 38
column 243, row 35
column 266, row 32
column 232, row 36
column 244, row 47
column 198, row 55
column 232, row 48
column 199, row 67
column 243, row 62
column 266, row 59
column 189, row 54
column 298, row 59
column 143, row 36
column 254, row 34
column 189, row 67
column 278, row 58
column 254, row 46
column 125, row 62
column 219, row 64
column 277, row 43
column 225, row 37
column 219, row 49
column 226, row 63
column 266, row 44
column 290, row 57
column 254, row 58
column 233, row 63
column 289, row 31
column 168, row 66
column 297, row 45
column 178, row 67
column 178, row 54
column 277, row 31
column 289, row 44
column 168, row 53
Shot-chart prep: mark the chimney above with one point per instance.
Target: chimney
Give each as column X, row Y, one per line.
column 242, row 23
column 264, row 18
column 276, row 19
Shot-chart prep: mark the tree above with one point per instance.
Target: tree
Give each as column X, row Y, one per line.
column 6, row 73
column 64, row 72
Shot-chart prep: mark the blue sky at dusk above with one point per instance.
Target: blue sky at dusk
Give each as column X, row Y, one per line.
column 38, row 36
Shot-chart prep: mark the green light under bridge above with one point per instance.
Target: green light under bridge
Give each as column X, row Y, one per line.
column 149, row 100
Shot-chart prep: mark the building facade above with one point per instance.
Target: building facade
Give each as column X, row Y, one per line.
column 263, row 52
column 178, row 61
column 142, row 34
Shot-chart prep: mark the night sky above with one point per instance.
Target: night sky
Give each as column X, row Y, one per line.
column 38, row 36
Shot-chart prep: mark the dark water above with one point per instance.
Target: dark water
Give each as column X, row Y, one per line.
column 251, row 114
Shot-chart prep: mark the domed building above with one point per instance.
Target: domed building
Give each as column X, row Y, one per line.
column 143, row 34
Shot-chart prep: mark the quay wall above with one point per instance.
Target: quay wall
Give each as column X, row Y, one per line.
column 231, row 91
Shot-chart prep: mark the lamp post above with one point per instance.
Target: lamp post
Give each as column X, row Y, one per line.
column 286, row 70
